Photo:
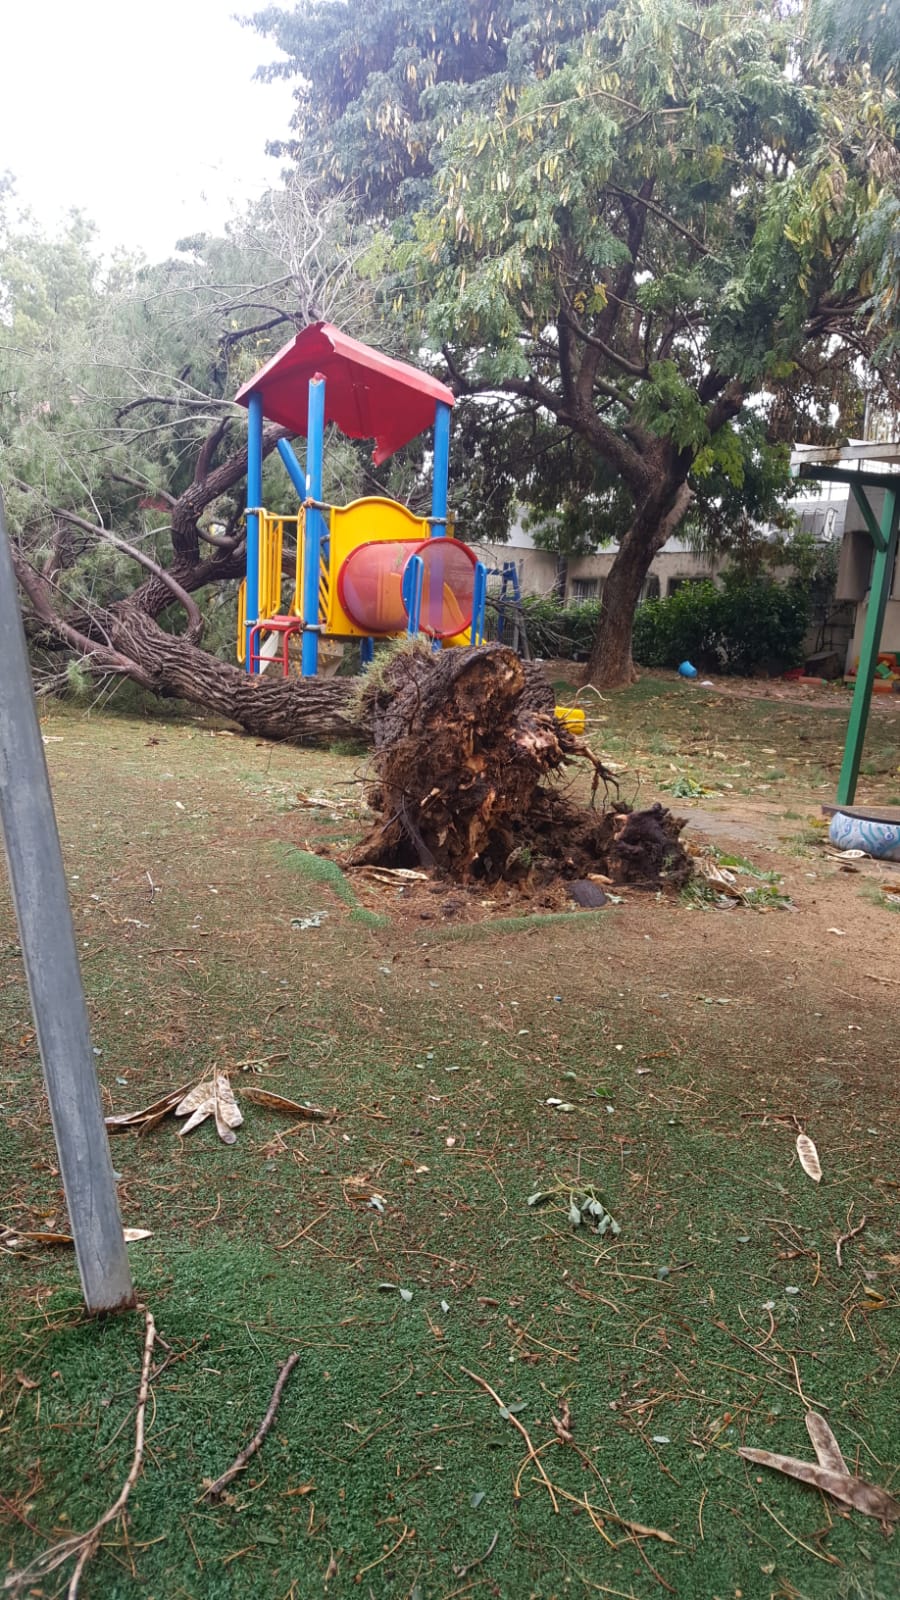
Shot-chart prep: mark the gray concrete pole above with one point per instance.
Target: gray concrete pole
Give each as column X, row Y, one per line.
column 47, row 936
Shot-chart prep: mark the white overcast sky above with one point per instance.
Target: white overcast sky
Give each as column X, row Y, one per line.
column 144, row 116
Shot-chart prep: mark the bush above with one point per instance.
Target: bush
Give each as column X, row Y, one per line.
column 748, row 625
column 560, row 631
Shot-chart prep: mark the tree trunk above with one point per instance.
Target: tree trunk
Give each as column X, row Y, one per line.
column 610, row 665
column 310, row 710
column 296, row 710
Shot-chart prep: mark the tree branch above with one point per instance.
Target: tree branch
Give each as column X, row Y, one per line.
column 103, row 657
column 629, row 368
column 644, row 200
column 194, row 630
column 208, row 451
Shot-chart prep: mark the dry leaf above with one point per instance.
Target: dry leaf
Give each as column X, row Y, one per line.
column 227, row 1111
column 196, row 1106
column 21, row 1239
column 393, row 874
column 562, row 1425
column 855, row 1492
column 277, row 1102
column 150, row 1116
column 809, row 1157
column 827, row 1449
column 214, row 1097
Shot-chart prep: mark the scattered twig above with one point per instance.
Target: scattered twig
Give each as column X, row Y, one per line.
column 408, row 1533
column 846, row 1237
column 303, row 1231
column 460, row 1572
column 820, row 1555
column 533, row 1454
column 211, row 1491
column 82, row 1546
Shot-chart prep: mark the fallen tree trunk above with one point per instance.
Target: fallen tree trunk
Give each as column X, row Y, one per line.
column 466, row 750
column 302, row 710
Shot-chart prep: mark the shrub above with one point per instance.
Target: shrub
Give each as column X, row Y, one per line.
column 750, row 624
column 555, row 630
column 682, row 627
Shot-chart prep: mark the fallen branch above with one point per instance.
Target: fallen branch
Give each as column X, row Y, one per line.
column 211, row 1491
column 532, row 1452
column 83, row 1545
column 846, row 1237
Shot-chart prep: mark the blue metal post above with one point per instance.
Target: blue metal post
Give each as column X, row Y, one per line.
column 366, row 652
column 411, row 591
column 314, row 527
column 254, row 504
column 292, row 467
column 479, row 603
column 439, row 485
column 441, row 474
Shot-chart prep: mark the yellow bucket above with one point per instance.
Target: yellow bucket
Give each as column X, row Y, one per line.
column 572, row 716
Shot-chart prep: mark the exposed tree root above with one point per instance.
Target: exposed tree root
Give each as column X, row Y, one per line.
column 466, row 753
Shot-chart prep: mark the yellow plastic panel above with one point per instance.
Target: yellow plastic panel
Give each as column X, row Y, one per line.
column 362, row 522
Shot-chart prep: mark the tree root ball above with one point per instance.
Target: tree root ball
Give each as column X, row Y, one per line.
column 468, row 762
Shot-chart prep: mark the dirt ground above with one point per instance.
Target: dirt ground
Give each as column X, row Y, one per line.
column 479, row 1048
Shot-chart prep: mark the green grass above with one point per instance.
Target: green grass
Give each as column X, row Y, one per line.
column 640, row 1335
column 687, row 1057
column 319, row 870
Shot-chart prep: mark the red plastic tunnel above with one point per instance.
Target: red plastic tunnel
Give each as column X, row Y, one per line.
column 371, row 578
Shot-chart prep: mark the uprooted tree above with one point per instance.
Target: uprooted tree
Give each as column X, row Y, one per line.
column 467, row 748
column 124, row 458
column 468, row 754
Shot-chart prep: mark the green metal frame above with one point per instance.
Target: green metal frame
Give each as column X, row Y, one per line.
column 884, row 538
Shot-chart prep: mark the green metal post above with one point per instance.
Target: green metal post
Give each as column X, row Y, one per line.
column 882, row 572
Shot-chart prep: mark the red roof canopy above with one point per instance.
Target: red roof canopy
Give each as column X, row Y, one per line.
column 367, row 395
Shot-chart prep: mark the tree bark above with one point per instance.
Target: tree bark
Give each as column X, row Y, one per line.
column 300, row 710
column 610, row 665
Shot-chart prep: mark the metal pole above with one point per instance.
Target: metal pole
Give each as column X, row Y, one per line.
column 292, row 467
column 885, row 540
column 254, row 505
column 38, row 882
column 313, row 528
column 440, row 476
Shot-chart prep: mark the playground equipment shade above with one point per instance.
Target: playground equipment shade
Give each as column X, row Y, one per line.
column 367, row 395
column 370, row 585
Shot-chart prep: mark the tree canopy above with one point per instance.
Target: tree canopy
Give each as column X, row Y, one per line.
column 671, row 210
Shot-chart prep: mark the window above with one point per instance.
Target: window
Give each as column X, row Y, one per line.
column 651, row 587
column 583, row 589
column 674, row 584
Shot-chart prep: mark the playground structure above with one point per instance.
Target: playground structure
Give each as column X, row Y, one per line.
column 369, row 570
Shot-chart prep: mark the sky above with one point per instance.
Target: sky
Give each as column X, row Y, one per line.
column 144, row 116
